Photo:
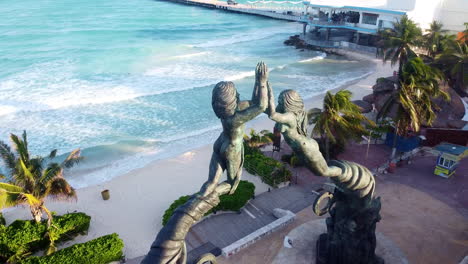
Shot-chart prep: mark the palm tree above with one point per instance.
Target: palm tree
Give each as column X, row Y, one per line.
column 465, row 33
column 413, row 101
column 398, row 43
column 340, row 120
column 433, row 39
column 453, row 62
column 258, row 140
column 31, row 180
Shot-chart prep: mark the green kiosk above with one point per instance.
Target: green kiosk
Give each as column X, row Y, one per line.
column 449, row 155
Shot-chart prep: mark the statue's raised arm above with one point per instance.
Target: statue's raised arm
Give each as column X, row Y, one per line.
column 292, row 121
column 228, row 155
column 248, row 110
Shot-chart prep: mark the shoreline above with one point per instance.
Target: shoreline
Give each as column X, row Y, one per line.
column 139, row 198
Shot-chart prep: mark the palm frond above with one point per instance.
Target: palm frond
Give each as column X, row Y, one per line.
column 10, row 187
column 21, row 147
column 26, row 172
column 31, row 199
column 60, row 189
column 52, row 154
column 7, row 156
column 9, row 199
column 53, row 170
column 72, row 159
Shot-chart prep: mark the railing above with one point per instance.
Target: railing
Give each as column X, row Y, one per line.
column 324, row 23
column 340, row 44
column 354, row 46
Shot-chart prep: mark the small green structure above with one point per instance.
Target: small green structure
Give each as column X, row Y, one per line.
column 449, row 155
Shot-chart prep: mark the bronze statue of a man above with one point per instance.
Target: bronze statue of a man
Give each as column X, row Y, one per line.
column 228, row 154
column 228, row 149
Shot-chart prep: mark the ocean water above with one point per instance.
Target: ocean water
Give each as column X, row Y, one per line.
column 130, row 81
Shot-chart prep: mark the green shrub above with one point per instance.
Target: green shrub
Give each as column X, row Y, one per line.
column 292, row 160
column 244, row 192
column 270, row 170
column 24, row 237
column 101, row 250
column 381, row 80
column 2, row 219
column 168, row 213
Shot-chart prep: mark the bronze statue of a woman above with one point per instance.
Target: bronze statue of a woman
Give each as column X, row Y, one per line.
column 351, row 226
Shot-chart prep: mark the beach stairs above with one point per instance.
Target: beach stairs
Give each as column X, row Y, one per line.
column 224, row 229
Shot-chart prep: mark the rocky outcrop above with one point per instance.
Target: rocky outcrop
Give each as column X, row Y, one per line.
column 384, row 85
column 364, row 106
column 370, row 98
column 299, row 43
column 457, row 124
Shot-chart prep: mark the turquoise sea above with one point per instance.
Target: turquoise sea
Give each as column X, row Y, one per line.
column 130, row 81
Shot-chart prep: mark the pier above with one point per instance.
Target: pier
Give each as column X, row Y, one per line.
column 282, row 13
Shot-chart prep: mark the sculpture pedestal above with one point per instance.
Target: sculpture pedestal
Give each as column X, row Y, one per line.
column 350, row 236
column 305, row 236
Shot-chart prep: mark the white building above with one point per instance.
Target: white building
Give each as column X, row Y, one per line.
column 451, row 13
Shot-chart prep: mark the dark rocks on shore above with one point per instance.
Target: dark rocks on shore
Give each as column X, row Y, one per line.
column 364, row 106
column 370, row 98
column 299, row 43
column 384, row 85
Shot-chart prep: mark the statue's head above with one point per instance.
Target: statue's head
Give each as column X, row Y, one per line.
column 289, row 101
column 224, row 99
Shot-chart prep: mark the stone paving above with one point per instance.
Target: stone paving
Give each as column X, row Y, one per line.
column 423, row 214
column 219, row 231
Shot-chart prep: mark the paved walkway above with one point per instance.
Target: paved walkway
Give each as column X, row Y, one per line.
column 221, row 230
column 424, row 214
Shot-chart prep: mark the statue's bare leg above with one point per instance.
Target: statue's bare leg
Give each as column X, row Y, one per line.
column 215, row 173
column 234, row 169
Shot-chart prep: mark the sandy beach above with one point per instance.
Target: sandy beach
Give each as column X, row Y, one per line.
column 138, row 199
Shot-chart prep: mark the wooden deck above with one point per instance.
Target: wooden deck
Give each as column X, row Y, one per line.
column 244, row 9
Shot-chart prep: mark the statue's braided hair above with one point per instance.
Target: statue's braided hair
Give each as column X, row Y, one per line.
column 224, row 99
column 291, row 101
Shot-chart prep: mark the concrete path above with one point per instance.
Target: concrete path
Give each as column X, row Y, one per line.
column 221, row 230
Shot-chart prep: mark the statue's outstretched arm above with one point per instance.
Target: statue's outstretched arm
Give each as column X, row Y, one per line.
column 271, row 110
column 259, row 97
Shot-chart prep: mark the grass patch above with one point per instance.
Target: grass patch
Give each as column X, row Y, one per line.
column 271, row 171
column 244, row 192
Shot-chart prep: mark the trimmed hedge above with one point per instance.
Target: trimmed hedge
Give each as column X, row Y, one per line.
column 27, row 236
column 101, row 250
column 168, row 213
column 244, row 192
column 270, row 170
column 2, row 219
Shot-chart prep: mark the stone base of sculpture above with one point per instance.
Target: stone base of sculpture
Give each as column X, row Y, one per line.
column 350, row 236
column 304, row 240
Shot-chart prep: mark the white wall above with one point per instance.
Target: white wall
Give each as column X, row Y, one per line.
column 452, row 13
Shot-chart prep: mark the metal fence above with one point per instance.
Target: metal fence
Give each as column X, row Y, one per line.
column 356, row 47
